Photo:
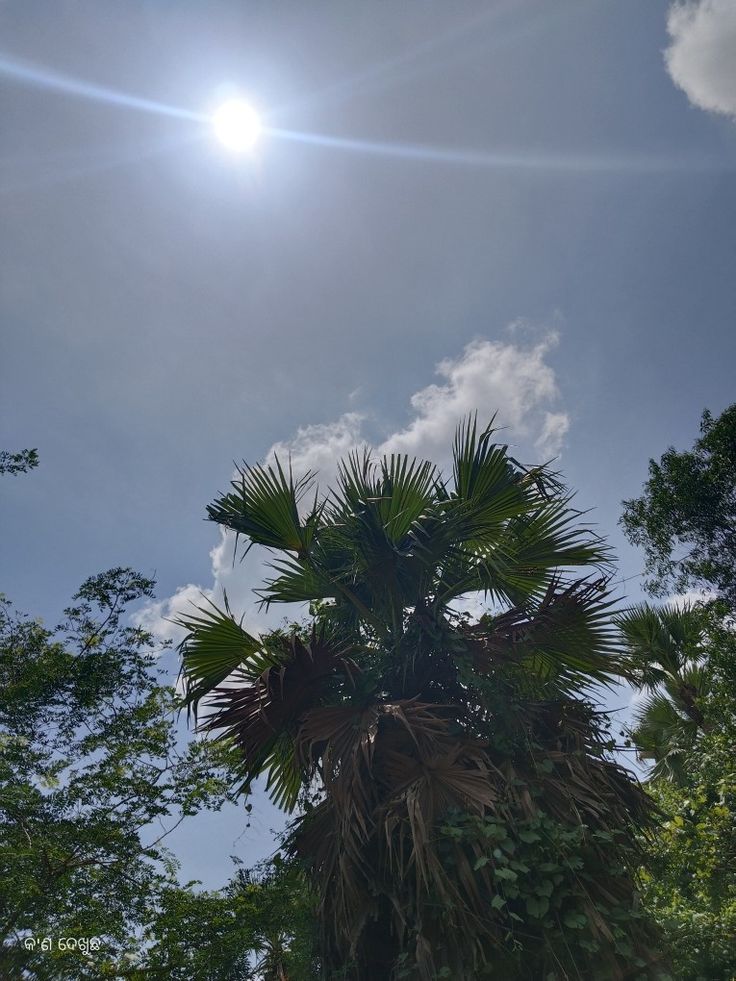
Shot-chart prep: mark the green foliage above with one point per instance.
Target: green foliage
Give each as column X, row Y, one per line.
column 20, row 462
column 260, row 926
column 407, row 730
column 690, row 887
column 686, row 659
column 667, row 650
column 689, row 506
column 91, row 775
column 541, row 874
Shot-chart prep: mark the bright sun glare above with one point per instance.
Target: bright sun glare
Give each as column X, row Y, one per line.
column 237, row 125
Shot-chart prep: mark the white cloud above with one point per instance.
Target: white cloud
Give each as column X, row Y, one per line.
column 701, row 58
column 234, row 578
column 156, row 615
column 488, row 376
column 679, row 601
column 554, row 430
column 320, row 447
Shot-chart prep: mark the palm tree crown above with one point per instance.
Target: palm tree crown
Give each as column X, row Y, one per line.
column 666, row 650
column 459, row 812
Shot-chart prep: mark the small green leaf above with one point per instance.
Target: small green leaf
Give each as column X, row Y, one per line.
column 529, row 836
column 537, row 906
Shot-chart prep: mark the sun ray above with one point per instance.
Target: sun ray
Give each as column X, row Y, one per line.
column 41, row 78
column 637, row 163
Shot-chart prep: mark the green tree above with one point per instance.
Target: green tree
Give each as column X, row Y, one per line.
column 462, row 817
column 686, row 518
column 261, row 926
column 667, row 651
column 690, row 883
column 92, row 779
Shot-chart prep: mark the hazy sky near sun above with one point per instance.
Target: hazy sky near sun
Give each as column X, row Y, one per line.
column 564, row 253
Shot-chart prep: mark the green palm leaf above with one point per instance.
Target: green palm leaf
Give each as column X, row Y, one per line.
column 406, row 492
column 663, row 735
column 299, row 582
column 661, row 641
column 215, row 645
column 263, row 507
column 665, row 648
column 567, row 639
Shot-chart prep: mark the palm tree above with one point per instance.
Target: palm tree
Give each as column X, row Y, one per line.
column 666, row 649
column 459, row 812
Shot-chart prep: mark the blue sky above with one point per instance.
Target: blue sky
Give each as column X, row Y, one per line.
column 564, row 253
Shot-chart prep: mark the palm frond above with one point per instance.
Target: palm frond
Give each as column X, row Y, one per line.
column 566, row 638
column 406, row 492
column 664, row 736
column 298, row 582
column 264, row 507
column 285, row 776
column 356, row 482
column 262, row 714
column 215, row 645
column 661, row 641
column 477, row 463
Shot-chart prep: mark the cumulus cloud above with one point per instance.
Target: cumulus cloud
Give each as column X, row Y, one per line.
column 230, row 576
column 156, row 616
column 701, row 57
column 487, row 376
column 320, row 447
column 510, row 377
column 554, row 430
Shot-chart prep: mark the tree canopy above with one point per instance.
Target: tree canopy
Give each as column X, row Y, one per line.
column 686, row 518
column 20, row 462
column 690, row 882
column 685, row 658
column 92, row 779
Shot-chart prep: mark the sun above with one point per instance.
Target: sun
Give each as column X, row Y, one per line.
column 237, row 125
